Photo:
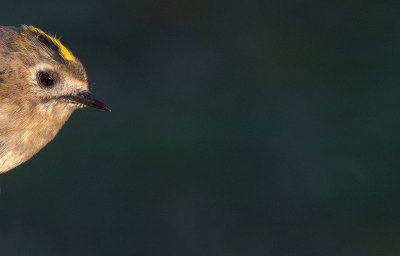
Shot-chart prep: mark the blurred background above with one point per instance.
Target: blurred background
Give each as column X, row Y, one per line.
column 238, row 128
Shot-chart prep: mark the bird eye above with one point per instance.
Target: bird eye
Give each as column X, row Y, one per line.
column 45, row 79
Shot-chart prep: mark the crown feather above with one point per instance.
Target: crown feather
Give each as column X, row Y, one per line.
column 53, row 43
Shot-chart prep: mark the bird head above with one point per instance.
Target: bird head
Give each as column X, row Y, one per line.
column 42, row 74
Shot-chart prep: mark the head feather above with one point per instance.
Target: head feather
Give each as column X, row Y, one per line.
column 53, row 43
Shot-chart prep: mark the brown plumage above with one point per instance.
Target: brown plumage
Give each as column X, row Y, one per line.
column 41, row 84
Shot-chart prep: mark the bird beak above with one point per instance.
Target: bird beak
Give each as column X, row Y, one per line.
column 87, row 99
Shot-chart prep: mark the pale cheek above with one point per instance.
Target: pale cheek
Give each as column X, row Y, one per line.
column 54, row 108
column 45, row 109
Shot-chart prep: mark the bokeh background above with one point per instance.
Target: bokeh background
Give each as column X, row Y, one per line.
column 238, row 128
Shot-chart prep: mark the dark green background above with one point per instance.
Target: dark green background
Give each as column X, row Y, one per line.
column 238, row 128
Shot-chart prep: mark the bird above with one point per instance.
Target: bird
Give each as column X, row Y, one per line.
column 41, row 84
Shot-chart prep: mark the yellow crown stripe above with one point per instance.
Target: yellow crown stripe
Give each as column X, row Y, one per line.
column 65, row 53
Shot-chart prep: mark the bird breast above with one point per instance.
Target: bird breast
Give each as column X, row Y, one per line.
column 22, row 135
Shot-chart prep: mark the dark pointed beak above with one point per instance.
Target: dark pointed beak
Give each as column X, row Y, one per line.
column 87, row 99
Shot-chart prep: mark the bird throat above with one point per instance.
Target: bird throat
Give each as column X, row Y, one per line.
column 21, row 138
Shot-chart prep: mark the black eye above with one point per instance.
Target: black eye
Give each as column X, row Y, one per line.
column 45, row 79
